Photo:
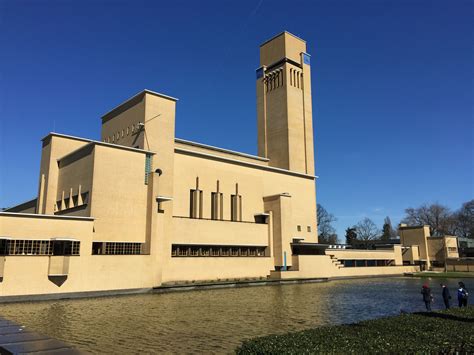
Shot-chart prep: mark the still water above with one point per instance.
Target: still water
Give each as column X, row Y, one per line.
column 216, row 321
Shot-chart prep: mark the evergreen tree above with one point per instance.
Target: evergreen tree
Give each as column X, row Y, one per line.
column 351, row 235
column 387, row 230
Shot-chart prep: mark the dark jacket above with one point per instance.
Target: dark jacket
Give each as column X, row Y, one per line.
column 462, row 293
column 426, row 292
column 446, row 295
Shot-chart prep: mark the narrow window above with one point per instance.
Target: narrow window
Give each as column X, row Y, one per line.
column 298, row 228
column 147, row 167
column 309, row 228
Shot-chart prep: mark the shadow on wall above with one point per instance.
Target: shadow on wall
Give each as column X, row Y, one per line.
column 58, row 280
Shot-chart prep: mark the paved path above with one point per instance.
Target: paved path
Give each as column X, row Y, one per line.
column 16, row 339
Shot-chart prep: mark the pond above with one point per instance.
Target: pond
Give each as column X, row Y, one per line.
column 218, row 320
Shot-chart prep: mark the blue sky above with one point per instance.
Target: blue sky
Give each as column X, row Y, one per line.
column 392, row 87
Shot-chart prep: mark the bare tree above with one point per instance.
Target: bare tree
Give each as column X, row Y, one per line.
column 464, row 220
column 437, row 216
column 367, row 231
column 326, row 232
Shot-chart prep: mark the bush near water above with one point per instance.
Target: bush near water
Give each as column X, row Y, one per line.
column 449, row 331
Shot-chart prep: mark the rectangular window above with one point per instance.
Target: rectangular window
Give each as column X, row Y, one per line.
column 65, row 247
column 116, row 248
column 348, row 263
column 25, row 247
column 214, row 251
column 360, row 263
column 298, row 228
column 308, row 228
column 147, row 167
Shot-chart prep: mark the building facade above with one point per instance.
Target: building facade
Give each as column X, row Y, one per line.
column 141, row 209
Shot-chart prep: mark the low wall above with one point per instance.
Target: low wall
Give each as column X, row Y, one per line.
column 466, row 265
column 321, row 266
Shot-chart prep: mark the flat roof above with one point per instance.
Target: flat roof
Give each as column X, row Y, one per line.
column 125, row 105
column 278, row 35
column 412, row 227
column 51, row 216
column 223, row 150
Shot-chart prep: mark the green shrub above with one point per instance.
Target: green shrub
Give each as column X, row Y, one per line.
column 437, row 332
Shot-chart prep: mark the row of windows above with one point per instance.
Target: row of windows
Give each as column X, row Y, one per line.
column 366, row 263
column 121, row 134
column 217, row 205
column 39, row 247
column 116, row 248
column 71, row 202
column 216, row 250
column 296, row 78
column 65, row 247
column 273, row 80
column 308, row 228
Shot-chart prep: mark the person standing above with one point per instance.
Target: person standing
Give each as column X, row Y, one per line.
column 462, row 294
column 446, row 296
column 427, row 297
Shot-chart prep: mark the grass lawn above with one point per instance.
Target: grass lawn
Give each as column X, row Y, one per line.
column 436, row 332
column 449, row 274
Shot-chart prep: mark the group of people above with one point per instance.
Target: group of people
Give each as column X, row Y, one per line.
column 461, row 293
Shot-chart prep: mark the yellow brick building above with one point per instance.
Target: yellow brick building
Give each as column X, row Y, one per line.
column 141, row 208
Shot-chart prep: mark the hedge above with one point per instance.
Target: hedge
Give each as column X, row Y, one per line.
column 424, row 332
